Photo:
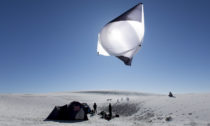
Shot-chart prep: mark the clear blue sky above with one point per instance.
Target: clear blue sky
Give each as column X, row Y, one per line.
column 50, row 46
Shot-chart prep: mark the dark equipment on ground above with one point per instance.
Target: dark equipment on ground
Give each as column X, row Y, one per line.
column 73, row 111
column 170, row 94
column 106, row 116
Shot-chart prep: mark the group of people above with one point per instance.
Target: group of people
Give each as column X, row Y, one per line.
column 103, row 114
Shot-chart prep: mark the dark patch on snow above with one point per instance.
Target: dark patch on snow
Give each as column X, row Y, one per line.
column 169, row 118
column 145, row 116
column 122, row 109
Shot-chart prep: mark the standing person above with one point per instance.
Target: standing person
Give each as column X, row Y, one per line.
column 110, row 110
column 95, row 107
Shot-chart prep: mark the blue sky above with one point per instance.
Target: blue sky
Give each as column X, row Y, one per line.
column 50, row 46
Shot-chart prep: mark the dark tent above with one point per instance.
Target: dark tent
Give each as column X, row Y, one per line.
column 73, row 111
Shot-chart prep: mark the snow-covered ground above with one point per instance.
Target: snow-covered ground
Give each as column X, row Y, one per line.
column 135, row 109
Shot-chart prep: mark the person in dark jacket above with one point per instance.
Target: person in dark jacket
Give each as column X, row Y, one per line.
column 95, row 108
column 110, row 110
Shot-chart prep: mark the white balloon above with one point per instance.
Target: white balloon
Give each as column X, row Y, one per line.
column 123, row 36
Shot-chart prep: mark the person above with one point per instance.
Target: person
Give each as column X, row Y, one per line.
column 95, row 108
column 110, row 110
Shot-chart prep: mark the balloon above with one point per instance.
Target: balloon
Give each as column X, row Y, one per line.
column 123, row 36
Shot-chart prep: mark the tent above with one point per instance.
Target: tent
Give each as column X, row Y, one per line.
column 73, row 111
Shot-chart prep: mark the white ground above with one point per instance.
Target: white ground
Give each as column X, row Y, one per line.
column 135, row 109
